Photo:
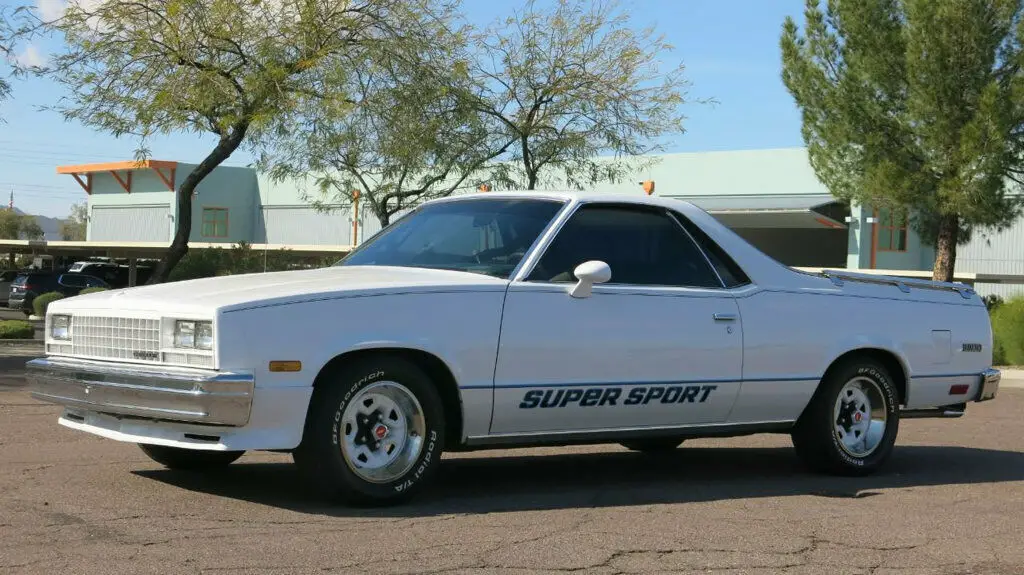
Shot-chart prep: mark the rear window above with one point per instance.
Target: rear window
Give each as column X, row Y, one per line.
column 32, row 279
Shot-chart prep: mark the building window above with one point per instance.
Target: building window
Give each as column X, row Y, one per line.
column 215, row 222
column 892, row 230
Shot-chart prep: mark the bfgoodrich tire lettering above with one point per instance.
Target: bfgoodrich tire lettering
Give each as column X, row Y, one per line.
column 340, row 454
column 850, row 425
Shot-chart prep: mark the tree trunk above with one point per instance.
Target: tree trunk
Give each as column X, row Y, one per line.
column 183, row 228
column 945, row 248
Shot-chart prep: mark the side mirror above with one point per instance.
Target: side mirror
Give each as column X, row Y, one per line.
column 588, row 274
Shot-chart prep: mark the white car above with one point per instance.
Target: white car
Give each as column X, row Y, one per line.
column 516, row 319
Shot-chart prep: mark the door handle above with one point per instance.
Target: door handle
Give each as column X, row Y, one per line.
column 725, row 317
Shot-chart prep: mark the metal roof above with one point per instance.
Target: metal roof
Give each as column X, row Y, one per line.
column 759, row 203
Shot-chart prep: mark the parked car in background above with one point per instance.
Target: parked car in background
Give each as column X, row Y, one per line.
column 116, row 275
column 6, row 277
column 28, row 285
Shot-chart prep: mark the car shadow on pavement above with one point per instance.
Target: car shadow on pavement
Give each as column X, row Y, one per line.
column 609, row 479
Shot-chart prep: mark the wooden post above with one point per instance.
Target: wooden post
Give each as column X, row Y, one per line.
column 132, row 271
column 355, row 218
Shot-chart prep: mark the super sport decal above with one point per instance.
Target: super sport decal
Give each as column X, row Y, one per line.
column 615, row 396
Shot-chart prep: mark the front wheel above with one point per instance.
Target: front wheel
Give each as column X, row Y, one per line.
column 189, row 459
column 850, row 425
column 374, row 432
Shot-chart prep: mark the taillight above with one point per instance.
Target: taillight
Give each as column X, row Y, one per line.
column 29, row 287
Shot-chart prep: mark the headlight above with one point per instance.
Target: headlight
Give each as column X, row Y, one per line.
column 204, row 335
column 60, row 327
column 193, row 334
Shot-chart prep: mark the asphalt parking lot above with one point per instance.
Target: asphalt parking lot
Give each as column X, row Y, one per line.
column 951, row 502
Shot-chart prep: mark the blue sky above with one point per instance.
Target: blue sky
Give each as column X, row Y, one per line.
column 729, row 47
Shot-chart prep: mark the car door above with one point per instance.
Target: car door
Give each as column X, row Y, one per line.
column 658, row 345
column 71, row 284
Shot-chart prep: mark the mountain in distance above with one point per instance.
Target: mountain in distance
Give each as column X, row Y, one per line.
column 50, row 226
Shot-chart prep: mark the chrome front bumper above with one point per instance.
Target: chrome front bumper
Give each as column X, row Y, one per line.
column 169, row 394
column 989, row 385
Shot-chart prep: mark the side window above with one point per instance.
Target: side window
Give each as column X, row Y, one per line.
column 71, row 281
column 642, row 246
column 727, row 268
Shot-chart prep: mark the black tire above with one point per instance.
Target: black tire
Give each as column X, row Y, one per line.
column 189, row 459
column 320, row 457
column 653, row 445
column 815, row 438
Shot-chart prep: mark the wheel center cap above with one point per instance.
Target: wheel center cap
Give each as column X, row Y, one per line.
column 380, row 431
column 857, row 417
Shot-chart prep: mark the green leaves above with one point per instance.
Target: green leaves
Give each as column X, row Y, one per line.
column 15, row 226
column 565, row 85
column 914, row 104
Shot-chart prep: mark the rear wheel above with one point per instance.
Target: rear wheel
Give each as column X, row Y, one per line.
column 653, row 445
column 374, row 432
column 851, row 423
column 190, row 459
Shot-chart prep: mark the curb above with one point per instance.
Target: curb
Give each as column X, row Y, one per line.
column 1013, row 373
column 21, row 343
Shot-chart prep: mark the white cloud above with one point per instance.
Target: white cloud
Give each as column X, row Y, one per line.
column 50, row 10
column 30, row 56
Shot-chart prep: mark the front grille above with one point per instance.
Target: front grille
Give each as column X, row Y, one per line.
column 116, row 338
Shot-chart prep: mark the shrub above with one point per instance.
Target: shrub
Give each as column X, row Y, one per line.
column 92, row 290
column 43, row 301
column 240, row 258
column 992, row 301
column 16, row 329
column 1008, row 332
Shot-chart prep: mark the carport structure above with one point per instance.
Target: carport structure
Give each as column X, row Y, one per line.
column 134, row 251
column 121, row 172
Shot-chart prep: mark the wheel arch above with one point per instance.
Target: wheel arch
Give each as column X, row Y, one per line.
column 435, row 368
column 892, row 362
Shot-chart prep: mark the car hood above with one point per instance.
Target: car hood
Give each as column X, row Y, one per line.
column 234, row 292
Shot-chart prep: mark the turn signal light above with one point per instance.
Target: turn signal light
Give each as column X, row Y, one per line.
column 285, row 366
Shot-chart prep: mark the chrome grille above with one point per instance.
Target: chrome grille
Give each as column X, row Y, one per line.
column 116, row 337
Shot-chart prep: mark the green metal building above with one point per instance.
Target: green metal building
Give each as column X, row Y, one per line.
column 771, row 197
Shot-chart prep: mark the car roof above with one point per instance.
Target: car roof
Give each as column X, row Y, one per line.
column 568, row 195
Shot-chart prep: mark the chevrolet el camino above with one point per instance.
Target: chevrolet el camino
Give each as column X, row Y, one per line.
column 515, row 319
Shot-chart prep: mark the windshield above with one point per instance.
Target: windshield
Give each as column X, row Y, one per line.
column 486, row 236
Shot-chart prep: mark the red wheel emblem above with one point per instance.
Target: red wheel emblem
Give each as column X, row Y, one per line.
column 857, row 417
column 380, row 431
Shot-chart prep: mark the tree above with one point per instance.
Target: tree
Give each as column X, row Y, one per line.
column 74, row 227
column 415, row 135
column 15, row 226
column 570, row 83
column 914, row 105
column 226, row 68
column 6, row 49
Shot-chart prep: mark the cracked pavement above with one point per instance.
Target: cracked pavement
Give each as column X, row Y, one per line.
column 950, row 502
